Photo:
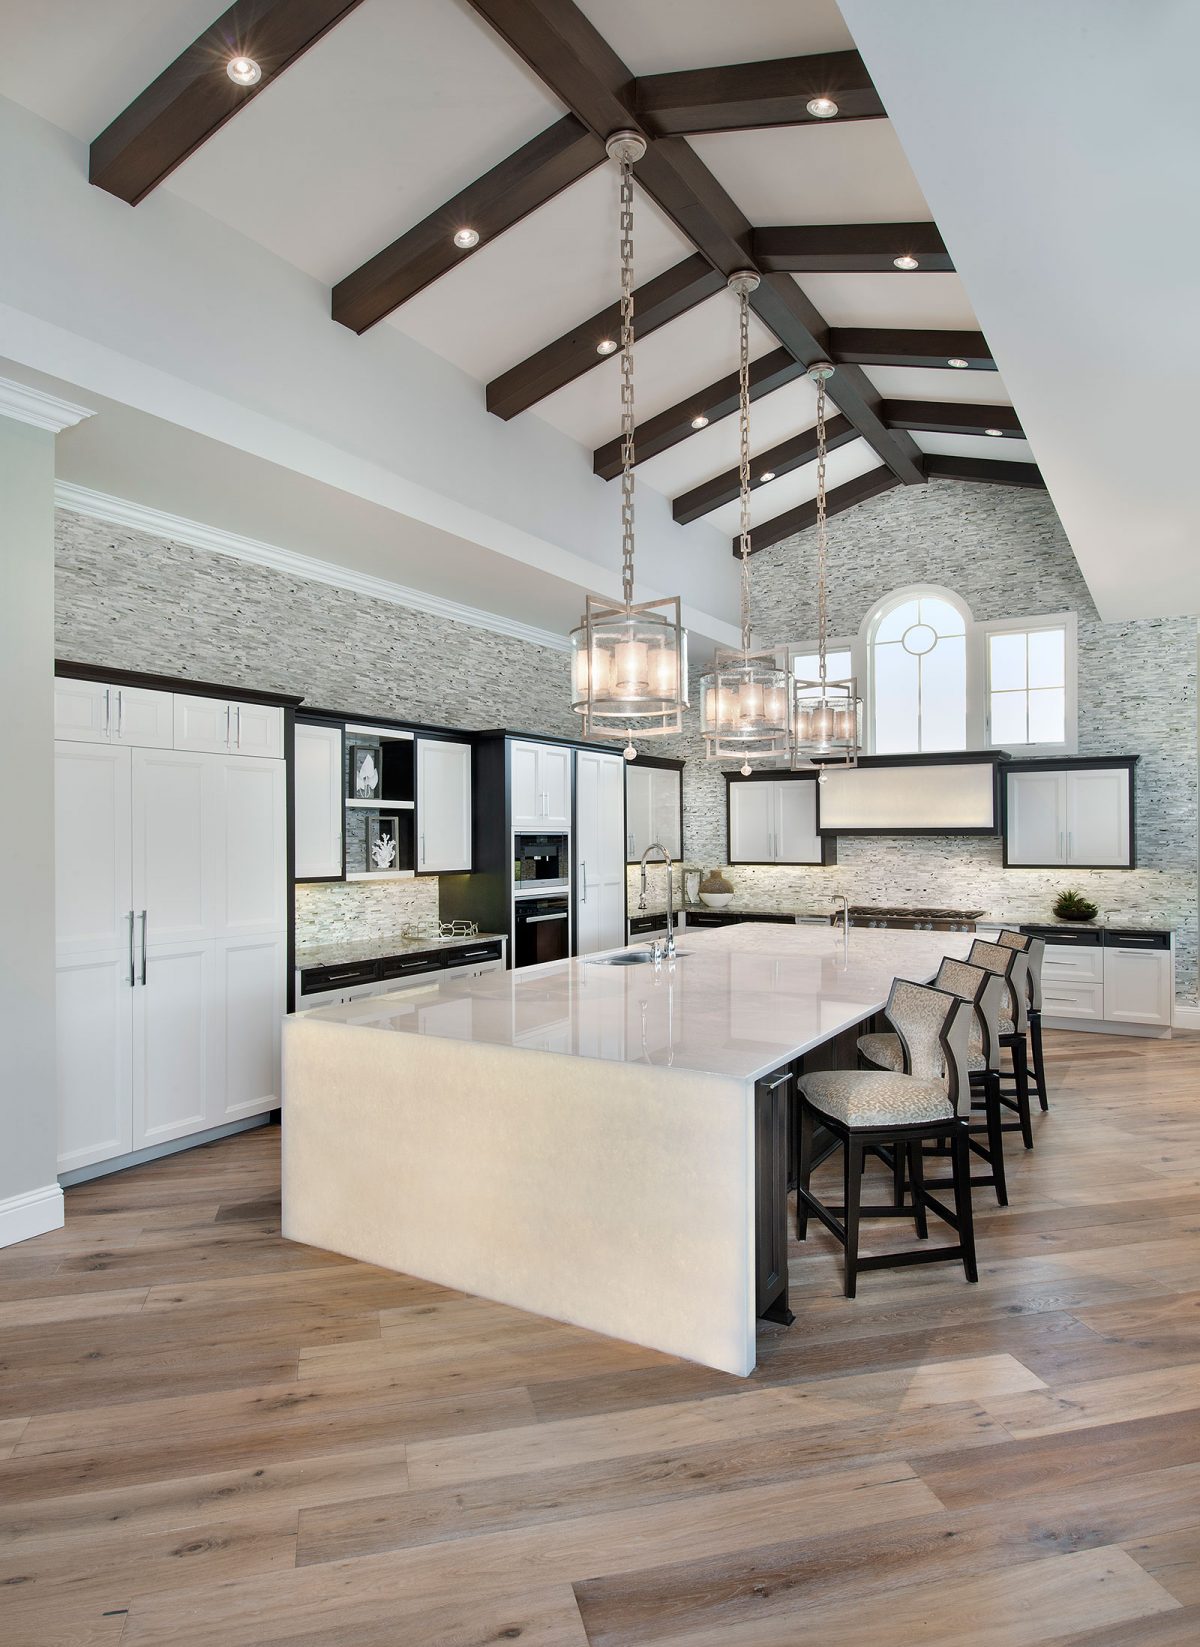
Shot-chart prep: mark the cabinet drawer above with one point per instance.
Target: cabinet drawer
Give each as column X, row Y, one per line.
column 472, row 955
column 1071, row 1000
column 408, row 966
column 316, row 979
column 1068, row 963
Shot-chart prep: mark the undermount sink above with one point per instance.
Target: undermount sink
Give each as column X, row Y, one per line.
column 628, row 957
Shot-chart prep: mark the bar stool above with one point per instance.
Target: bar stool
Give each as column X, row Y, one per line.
column 1013, row 966
column 898, row 1111
column 1035, row 949
column 984, row 991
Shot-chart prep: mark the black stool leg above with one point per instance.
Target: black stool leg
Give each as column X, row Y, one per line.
column 804, row 1169
column 962, row 1202
column 916, row 1169
column 853, row 1179
column 995, row 1134
column 1039, row 1062
column 1021, row 1076
column 898, row 1175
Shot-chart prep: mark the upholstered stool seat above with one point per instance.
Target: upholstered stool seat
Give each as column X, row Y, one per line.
column 885, row 1052
column 876, row 1098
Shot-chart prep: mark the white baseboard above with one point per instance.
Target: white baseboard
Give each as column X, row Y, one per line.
column 1186, row 1017
column 34, row 1213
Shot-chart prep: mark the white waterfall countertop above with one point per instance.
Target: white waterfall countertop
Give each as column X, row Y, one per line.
column 738, row 1001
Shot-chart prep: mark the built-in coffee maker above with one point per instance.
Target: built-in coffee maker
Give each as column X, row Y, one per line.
column 541, row 864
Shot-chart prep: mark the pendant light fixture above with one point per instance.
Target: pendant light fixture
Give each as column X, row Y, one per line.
column 745, row 698
column 630, row 661
column 827, row 715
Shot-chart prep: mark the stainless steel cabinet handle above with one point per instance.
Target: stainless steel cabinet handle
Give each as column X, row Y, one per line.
column 239, row 726
column 534, row 919
column 583, row 883
column 132, row 971
column 228, row 724
column 120, row 711
column 107, row 710
column 143, row 946
column 422, row 849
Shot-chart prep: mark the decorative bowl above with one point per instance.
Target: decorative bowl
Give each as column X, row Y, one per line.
column 716, row 900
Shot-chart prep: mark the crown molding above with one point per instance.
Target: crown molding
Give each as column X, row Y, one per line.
column 81, row 500
column 25, row 405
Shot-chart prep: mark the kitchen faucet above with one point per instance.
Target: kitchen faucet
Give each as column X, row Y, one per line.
column 845, row 903
column 656, row 846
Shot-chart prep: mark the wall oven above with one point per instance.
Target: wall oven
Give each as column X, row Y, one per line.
column 542, row 931
column 541, row 863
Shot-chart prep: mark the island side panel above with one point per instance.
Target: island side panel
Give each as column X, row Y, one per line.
column 618, row 1197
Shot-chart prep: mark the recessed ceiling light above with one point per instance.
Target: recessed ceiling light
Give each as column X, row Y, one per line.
column 243, row 71
column 993, row 431
column 466, row 238
column 606, row 347
column 700, row 422
column 957, row 360
column 767, row 474
column 822, row 108
column 905, row 262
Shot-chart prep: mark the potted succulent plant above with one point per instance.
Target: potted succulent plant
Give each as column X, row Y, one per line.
column 715, row 890
column 1073, row 906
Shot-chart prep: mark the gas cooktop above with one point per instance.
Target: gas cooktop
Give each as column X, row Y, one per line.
column 912, row 918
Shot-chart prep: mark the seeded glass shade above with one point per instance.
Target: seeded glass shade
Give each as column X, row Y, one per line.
column 629, row 669
column 827, row 721
column 746, row 708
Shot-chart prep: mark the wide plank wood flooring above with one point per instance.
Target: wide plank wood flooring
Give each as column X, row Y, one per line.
column 211, row 1437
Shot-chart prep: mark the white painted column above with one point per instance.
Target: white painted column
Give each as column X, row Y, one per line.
column 30, row 1199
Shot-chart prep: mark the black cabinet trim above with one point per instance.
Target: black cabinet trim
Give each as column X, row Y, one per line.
column 67, row 669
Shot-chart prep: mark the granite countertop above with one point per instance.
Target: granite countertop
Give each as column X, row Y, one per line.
column 348, row 951
column 739, row 1001
column 1118, row 923
column 737, row 907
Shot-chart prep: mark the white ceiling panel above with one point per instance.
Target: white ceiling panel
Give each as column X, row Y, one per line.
column 890, row 299
column 710, row 451
column 800, row 486
column 670, row 365
column 78, row 63
column 547, row 274
column 928, row 383
column 387, row 117
column 656, row 36
column 980, row 446
column 852, row 173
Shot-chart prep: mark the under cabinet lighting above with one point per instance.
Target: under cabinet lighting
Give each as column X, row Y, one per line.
column 993, row 431
column 466, row 238
column 906, row 262
column 768, row 474
column 822, row 108
column 606, row 347
column 957, row 360
column 243, row 71
column 700, row 422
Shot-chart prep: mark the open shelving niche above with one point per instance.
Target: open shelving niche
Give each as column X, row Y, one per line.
column 396, row 798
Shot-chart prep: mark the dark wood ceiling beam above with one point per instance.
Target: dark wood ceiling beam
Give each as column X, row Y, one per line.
column 194, row 97
column 660, row 300
column 780, row 460
column 850, row 248
column 718, row 400
column 573, row 59
column 947, row 417
column 800, row 519
column 527, row 179
column 992, row 471
column 893, row 346
column 743, row 96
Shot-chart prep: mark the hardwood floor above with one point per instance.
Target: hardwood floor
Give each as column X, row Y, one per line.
column 210, row 1437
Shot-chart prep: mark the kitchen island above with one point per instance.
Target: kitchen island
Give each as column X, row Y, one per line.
column 602, row 1144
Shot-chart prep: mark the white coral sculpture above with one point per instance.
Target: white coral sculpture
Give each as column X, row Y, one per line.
column 383, row 851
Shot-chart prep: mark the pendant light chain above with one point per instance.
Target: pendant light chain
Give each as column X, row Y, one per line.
column 822, row 626
column 744, row 456
column 627, row 419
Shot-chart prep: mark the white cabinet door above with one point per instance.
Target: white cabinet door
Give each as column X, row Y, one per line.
column 249, row 980
column 526, row 790
column 554, row 781
column 92, row 864
column 177, row 846
column 1036, row 832
column 1137, row 986
column 177, row 1026
column 599, row 852
column 443, row 805
column 1097, row 816
column 666, row 810
column 751, row 823
column 256, row 729
column 796, row 838
column 639, row 810
column 83, row 710
column 93, row 1074
column 203, row 724
column 142, row 718
column 319, row 808
column 250, row 803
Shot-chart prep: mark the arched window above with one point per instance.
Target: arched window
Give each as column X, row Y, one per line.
column 917, row 669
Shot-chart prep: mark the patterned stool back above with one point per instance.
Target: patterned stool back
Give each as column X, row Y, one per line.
column 1013, row 966
column 934, row 1027
column 985, row 991
column 1035, row 950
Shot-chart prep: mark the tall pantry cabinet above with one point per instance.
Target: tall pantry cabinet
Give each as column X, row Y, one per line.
column 171, row 898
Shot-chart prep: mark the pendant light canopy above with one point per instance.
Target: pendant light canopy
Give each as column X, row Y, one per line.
column 827, row 715
column 745, row 698
column 629, row 661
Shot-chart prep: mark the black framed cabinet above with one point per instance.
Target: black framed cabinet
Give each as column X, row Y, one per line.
column 773, row 819
column 1076, row 813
